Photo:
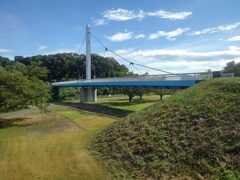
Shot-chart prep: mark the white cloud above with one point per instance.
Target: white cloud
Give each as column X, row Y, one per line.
column 123, row 51
column 235, row 38
column 139, row 36
column 41, row 47
column 190, row 55
column 5, row 53
column 120, row 36
column 169, row 35
column 4, row 50
column 234, row 48
column 99, row 22
column 125, row 15
column 178, row 61
column 183, row 66
column 217, row 29
column 170, row 15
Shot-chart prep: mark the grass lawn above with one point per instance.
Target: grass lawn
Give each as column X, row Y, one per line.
column 50, row 146
column 122, row 102
column 115, row 106
column 54, row 145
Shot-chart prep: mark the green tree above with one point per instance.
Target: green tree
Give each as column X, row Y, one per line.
column 18, row 91
column 69, row 93
column 130, row 92
column 162, row 92
column 141, row 91
column 36, row 70
column 232, row 67
column 70, row 66
column 5, row 62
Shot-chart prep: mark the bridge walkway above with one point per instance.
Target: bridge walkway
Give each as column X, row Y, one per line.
column 168, row 81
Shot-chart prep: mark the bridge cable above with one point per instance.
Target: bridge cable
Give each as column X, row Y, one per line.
column 81, row 45
column 131, row 63
column 94, row 68
column 111, row 65
column 106, row 49
column 140, row 64
column 76, row 59
column 135, row 67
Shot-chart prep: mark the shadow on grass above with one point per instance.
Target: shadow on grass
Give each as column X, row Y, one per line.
column 13, row 122
column 96, row 108
column 126, row 103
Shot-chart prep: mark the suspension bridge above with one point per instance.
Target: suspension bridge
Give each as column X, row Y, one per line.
column 167, row 80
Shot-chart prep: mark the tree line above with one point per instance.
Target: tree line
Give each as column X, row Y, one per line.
column 26, row 81
column 69, row 66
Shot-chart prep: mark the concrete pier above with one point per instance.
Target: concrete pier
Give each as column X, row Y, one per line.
column 88, row 95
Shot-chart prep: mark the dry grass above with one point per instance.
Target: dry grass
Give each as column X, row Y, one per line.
column 52, row 146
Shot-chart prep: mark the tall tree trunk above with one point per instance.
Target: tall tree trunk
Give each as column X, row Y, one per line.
column 130, row 98
column 161, row 96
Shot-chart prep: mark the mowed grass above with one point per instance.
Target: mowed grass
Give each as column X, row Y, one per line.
column 50, row 146
column 123, row 103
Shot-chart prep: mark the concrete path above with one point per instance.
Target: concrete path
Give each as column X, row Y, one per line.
column 25, row 111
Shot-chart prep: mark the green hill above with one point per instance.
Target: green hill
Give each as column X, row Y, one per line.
column 194, row 134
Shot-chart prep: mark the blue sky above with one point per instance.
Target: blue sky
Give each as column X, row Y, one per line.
column 173, row 35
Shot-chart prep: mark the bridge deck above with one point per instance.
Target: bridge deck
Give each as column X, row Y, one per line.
column 169, row 81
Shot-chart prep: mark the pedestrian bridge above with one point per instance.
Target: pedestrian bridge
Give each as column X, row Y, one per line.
column 163, row 81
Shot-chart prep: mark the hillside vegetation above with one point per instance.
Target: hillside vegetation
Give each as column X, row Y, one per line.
column 194, row 134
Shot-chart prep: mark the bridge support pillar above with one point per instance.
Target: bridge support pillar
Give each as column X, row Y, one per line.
column 88, row 95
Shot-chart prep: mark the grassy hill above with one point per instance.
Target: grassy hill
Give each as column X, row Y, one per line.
column 194, row 134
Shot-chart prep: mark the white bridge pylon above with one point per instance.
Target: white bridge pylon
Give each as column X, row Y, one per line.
column 88, row 94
